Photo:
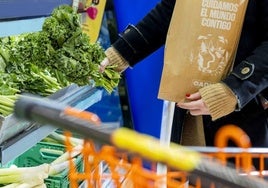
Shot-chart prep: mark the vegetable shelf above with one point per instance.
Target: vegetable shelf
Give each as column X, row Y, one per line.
column 16, row 136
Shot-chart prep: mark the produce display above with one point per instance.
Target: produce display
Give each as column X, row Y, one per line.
column 45, row 61
column 42, row 63
column 55, row 164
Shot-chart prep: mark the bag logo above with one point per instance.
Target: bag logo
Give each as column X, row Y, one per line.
column 211, row 57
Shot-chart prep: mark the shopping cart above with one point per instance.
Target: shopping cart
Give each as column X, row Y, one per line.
column 112, row 167
column 125, row 158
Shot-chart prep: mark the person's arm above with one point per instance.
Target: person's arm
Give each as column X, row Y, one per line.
column 248, row 84
column 138, row 41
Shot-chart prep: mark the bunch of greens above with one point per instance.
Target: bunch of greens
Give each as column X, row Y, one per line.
column 21, row 73
column 74, row 57
column 45, row 61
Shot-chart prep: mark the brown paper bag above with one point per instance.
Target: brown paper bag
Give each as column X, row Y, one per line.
column 201, row 45
column 193, row 131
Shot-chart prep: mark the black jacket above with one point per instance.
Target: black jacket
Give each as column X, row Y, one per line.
column 135, row 43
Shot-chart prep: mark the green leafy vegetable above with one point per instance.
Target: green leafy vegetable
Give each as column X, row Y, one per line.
column 61, row 25
column 46, row 61
column 76, row 58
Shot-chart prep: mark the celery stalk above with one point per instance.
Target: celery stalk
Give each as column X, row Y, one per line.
column 32, row 185
column 61, row 138
column 41, row 186
column 59, row 167
column 64, row 157
column 12, row 185
column 35, row 174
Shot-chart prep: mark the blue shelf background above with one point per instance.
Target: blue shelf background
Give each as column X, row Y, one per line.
column 11, row 9
column 17, row 27
column 22, row 16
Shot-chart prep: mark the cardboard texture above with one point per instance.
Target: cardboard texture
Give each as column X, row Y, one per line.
column 201, row 45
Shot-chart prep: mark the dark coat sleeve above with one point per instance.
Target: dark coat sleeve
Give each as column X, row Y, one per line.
column 250, row 74
column 137, row 42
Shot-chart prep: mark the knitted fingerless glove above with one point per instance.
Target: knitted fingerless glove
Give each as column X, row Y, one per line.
column 116, row 59
column 219, row 99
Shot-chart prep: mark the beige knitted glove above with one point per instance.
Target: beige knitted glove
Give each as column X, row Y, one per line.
column 114, row 58
column 219, row 99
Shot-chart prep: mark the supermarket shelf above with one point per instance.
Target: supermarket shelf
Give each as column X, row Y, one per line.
column 28, row 8
column 78, row 97
column 22, row 142
column 17, row 27
column 17, row 17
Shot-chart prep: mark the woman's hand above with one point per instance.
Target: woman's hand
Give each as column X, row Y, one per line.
column 196, row 105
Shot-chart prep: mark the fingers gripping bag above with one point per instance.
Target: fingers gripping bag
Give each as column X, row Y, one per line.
column 201, row 45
